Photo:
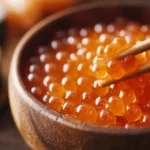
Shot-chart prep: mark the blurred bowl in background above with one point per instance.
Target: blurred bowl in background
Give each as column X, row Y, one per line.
column 22, row 14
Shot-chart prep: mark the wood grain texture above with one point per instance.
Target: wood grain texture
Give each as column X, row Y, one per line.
column 45, row 129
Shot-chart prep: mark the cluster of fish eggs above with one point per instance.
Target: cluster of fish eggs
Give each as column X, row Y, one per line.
column 65, row 74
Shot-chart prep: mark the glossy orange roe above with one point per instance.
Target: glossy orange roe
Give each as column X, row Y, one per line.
column 66, row 74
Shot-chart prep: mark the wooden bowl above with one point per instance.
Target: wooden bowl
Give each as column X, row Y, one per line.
column 43, row 128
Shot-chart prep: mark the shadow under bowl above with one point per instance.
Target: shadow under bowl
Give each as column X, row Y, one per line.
column 43, row 128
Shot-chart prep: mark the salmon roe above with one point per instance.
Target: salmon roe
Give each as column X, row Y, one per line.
column 65, row 75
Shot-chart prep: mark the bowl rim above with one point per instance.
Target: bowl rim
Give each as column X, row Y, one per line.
column 43, row 109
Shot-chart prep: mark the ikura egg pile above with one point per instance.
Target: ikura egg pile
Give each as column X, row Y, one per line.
column 65, row 74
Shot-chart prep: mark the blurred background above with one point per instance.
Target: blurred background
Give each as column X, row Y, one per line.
column 16, row 17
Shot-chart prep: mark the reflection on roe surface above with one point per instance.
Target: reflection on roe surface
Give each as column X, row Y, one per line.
column 65, row 75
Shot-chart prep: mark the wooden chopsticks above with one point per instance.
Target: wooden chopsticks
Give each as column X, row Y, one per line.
column 136, row 49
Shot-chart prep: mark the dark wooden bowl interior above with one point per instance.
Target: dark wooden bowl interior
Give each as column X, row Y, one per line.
column 83, row 17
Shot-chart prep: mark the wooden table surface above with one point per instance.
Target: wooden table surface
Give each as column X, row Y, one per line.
column 10, row 138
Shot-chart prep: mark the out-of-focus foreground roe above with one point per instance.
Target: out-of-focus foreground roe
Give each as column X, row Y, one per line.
column 22, row 14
